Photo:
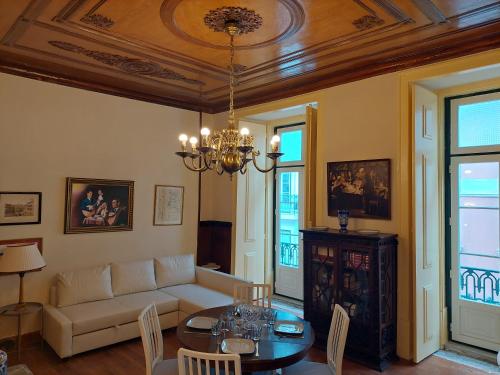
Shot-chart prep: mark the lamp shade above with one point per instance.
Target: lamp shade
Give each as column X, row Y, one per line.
column 21, row 258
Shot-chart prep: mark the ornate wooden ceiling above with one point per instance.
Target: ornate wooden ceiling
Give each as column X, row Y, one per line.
column 162, row 51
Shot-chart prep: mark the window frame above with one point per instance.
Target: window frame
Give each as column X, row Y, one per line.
column 290, row 128
column 455, row 103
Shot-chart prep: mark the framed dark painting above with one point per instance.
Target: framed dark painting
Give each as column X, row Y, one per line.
column 363, row 187
column 94, row 205
column 18, row 208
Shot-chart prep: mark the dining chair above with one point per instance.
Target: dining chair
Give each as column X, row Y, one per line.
column 152, row 341
column 255, row 294
column 191, row 362
column 334, row 352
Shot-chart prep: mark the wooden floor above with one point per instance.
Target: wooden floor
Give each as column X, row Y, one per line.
column 128, row 359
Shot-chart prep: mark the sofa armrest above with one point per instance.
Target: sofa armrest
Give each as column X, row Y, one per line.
column 58, row 331
column 219, row 281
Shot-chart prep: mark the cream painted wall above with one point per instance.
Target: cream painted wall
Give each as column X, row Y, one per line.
column 49, row 132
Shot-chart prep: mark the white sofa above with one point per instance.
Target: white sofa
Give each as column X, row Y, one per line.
column 94, row 307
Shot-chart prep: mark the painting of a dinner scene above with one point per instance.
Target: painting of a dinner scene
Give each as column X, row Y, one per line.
column 362, row 187
column 98, row 205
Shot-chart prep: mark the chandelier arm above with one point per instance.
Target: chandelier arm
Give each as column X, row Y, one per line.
column 207, row 163
column 254, row 160
column 193, row 167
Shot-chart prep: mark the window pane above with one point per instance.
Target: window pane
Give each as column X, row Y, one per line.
column 291, row 145
column 289, row 220
column 479, row 228
column 479, row 124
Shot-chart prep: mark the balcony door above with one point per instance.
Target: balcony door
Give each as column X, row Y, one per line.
column 474, row 217
column 289, row 213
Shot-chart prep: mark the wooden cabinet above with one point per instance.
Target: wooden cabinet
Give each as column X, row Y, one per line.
column 358, row 272
column 214, row 244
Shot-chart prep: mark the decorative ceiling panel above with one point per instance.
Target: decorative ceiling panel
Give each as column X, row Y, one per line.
column 172, row 51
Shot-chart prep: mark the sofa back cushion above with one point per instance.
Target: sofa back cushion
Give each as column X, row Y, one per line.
column 84, row 285
column 133, row 277
column 175, row 270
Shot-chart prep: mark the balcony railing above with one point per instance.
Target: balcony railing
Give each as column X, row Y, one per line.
column 477, row 284
column 289, row 249
column 289, row 203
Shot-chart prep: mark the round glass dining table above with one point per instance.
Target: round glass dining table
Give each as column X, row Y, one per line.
column 275, row 351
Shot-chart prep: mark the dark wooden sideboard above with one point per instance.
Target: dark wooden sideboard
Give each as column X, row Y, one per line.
column 358, row 272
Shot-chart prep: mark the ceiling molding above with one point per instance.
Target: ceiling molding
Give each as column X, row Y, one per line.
column 127, row 49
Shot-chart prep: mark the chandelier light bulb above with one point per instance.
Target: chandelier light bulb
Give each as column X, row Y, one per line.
column 193, row 141
column 275, row 141
column 244, row 131
column 183, row 138
column 205, row 132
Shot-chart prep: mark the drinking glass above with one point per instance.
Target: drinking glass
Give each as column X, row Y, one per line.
column 268, row 316
column 216, row 328
column 255, row 331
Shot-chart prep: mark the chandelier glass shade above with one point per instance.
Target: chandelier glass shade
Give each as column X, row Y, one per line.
column 228, row 150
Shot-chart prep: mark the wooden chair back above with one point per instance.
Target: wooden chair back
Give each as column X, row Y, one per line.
column 336, row 339
column 197, row 363
column 255, row 294
column 152, row 339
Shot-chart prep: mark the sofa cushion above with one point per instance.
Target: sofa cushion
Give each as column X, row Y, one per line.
column 133, row 277
column 84, row 285
column 93, row 316
column 175, row 270
column 194, row 297
column 165, row 303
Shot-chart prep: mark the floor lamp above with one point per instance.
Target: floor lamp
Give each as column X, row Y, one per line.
column 19, row 259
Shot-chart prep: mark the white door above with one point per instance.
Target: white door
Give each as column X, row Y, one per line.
column 475, row 256
column 475, row 223
column 289, row 220
column 249, row 251
column 426, row 241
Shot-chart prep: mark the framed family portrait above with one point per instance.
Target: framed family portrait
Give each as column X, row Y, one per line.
column 97, row 205
column 18, row 208
column 362, row 187
column 169, row 202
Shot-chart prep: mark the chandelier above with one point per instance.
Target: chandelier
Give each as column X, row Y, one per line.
column 227, row 150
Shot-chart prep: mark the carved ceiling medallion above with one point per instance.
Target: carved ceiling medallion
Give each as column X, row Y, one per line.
column 248, row 20
column 126, row 64
column 290, row 12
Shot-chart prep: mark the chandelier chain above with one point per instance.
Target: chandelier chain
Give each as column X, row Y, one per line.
column 231, row 84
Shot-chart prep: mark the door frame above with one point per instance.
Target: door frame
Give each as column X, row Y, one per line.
column 274, row 195
column 448, row 138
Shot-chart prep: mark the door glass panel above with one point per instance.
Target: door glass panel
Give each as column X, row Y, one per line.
column 479, row 231
column 291, row 146
column 479, row 124
column 289, row 220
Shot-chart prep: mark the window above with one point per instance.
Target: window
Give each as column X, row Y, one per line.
column 477, row 124
column 473, row 205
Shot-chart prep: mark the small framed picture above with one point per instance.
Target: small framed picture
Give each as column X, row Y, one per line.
column 97, row 205
column 18, row 208
column 169, row 201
